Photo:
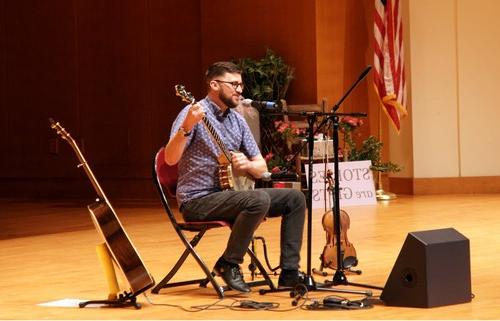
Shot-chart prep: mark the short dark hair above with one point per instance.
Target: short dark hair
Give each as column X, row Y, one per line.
column 220, row 68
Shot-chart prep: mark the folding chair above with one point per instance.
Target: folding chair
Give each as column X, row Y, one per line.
column 163, row 177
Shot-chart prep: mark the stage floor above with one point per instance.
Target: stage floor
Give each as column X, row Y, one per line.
column 48, row 254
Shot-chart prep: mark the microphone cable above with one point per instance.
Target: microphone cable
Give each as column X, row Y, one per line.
column 340, row 303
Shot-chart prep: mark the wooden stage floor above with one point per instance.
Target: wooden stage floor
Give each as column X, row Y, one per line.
column 48, row 253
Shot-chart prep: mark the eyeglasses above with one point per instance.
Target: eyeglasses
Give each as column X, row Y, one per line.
column 233, row 84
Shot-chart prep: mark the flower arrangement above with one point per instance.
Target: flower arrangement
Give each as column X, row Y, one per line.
column 370, row 148
column 280, row 154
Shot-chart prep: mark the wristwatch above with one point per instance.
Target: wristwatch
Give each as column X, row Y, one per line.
column 184, row 132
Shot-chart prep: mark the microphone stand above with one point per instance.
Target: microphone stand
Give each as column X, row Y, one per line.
column 339, row 277
column 308, row 280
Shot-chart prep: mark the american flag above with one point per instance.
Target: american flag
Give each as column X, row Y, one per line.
column 388, row 59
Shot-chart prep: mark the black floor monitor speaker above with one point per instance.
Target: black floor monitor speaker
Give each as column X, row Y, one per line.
column 432, row 269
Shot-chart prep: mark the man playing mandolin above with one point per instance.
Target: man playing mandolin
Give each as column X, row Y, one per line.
column 215, row 151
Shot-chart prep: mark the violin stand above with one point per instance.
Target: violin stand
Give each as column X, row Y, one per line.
column 321, row 271
column 122, row 300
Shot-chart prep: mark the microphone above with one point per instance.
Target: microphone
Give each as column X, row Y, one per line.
column 261, row 105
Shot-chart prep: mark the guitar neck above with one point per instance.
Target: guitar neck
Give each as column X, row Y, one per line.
column 86, row 167
column 217, row 138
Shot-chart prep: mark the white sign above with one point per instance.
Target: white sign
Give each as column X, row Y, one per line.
column 356, row 184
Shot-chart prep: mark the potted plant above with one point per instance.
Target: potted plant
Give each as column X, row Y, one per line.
column 268, row 79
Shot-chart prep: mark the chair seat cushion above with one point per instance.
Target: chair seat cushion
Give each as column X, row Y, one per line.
column 199, row 225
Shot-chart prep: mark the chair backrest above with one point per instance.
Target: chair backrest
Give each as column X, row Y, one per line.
column 252, row 117
column 165, row 174
column 165, row 179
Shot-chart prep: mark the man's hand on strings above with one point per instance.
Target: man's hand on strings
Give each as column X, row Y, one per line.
column 240, row 162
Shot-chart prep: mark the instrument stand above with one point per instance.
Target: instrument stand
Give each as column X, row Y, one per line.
column 321, row 271
column 123, row 300
column 252, row 266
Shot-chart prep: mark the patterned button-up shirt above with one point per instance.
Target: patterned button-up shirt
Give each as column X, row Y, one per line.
column 198, row 166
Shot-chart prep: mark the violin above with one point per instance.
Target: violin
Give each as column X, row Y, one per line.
column 329, row 256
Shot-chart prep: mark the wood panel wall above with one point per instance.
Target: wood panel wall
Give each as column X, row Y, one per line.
column 246, row 28
column 106, row 68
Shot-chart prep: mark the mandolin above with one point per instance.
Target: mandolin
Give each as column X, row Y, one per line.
column 110, row 228
column 228, row 179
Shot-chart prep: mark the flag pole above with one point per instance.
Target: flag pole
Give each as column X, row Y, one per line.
column 381, row 195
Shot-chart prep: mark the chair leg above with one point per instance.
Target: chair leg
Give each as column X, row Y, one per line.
column 209, row 274
column 190, row 250
column 162, row 284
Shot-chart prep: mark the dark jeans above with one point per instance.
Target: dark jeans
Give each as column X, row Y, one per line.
column 245, row 210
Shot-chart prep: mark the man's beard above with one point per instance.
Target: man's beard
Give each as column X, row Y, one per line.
column 228, row 101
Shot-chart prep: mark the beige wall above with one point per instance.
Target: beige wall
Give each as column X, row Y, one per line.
column 478, row 43
column 452, row 61
column 401, row 145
